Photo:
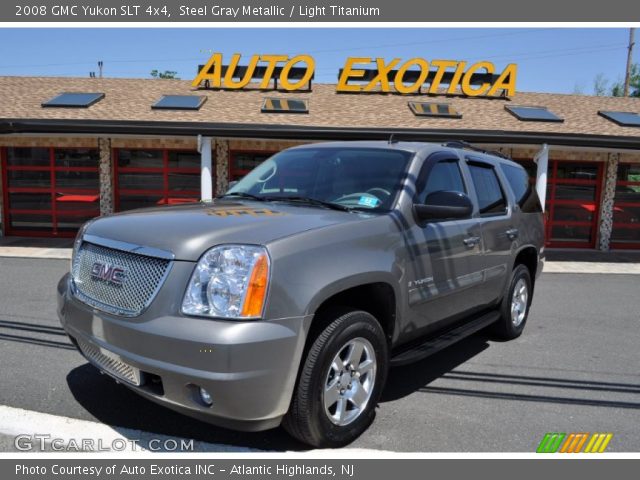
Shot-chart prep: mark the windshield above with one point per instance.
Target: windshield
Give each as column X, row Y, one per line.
column 359, row 178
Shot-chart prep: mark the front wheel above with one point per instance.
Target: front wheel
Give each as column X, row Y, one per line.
column 340, row 382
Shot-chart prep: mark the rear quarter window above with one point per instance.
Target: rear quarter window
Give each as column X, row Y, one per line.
column 525, row 194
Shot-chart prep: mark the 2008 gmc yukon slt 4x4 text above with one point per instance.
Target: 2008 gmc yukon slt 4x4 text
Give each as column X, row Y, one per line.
column 287, row 299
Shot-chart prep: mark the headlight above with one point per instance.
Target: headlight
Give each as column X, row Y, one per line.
column 230, row 281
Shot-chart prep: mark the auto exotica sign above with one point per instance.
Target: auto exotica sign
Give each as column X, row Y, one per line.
column 362, row 74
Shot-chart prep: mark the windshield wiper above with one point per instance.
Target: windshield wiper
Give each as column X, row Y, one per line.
column 309, row 201
column 244, row 195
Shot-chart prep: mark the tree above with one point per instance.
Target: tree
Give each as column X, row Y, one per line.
column 600, row 84
column 617, row 90
column 167, row 74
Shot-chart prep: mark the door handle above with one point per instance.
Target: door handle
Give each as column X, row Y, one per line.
column 471, row 241
column 512, row 233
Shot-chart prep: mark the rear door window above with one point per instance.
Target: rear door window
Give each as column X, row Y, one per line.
column 491, row 199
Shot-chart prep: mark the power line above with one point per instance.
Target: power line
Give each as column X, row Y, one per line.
column 388, row 45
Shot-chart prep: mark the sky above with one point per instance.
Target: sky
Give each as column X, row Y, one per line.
column 559, row 60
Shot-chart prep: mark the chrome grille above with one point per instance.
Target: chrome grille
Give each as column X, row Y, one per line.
column 110, row 362
column 142, row 278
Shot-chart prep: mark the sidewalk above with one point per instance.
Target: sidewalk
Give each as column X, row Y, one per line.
column 23, row 247
column 557, row 260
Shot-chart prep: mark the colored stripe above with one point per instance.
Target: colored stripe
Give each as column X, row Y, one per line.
column 591, row 442
column 557, row 442
column 582, row 441
column 596, row 446
column 542, row 448
column 607, row 439
column 568, row 444
column 550, row 442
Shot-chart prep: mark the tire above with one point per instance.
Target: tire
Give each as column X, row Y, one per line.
column 314, row 418
column 512, row 322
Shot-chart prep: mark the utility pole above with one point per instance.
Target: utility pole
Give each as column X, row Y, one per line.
column 627, row 75
column 100, row 65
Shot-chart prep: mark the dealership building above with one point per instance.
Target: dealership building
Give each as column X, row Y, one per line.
column 75, row 148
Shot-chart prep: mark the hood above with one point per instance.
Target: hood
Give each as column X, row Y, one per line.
column 189, row 230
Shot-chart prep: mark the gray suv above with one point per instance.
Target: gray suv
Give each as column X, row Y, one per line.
column 286, row 300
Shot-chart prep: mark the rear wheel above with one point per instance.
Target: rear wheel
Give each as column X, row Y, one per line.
column 514, row 308
column 340, row 382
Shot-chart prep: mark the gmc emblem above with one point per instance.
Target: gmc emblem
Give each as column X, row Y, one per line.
column 108, row 273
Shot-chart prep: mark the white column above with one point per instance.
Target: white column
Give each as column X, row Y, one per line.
column 542, row 160
column 206, row 184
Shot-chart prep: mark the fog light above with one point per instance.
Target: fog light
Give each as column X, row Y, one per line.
column 206, row 397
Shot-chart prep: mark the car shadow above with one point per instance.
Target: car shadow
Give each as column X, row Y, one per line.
column 408, row 379
column 122, row 409
column 125, row 411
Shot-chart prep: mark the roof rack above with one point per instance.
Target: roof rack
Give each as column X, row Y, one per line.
column 467, row 146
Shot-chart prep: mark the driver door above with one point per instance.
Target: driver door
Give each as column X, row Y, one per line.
column 442, row 276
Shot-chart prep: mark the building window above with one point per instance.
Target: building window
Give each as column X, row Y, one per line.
column 285, row 105
column 626, row 207
column 431, row 109
column 242, row 162
column 624, row 119
column 155, row 177
column 50, row 191
column 74, row 100
column 532, row 114
column 179, row 102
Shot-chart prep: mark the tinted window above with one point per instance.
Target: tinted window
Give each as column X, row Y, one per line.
column 353, row 177
column 490, row 197
column 443, row 176
column 524, row 192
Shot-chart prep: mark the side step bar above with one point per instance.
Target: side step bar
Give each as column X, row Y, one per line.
column 450, row 337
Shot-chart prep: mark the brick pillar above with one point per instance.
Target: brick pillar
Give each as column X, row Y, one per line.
column 222, row 165
column 106, row 182
column 606, row 201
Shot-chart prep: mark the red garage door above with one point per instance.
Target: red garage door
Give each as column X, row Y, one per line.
column 153, row 177
column 626, row 207
column 49, row 191
column 573, row 202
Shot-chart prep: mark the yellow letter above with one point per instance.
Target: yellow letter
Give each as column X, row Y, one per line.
column 383, row 75
column 348, row 71
column 273, row 60
column 456, row 78
column 442, row 67
column 424, row 71
column 467, row 89
column 243, row 82
column 284, row 75
column 507, row 81
column 214, row 78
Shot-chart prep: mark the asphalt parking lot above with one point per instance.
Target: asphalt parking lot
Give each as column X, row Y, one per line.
column 575, row 369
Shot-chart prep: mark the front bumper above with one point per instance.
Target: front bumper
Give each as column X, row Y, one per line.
column 249, row 368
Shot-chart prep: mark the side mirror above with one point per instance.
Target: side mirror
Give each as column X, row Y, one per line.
column 444, row 205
